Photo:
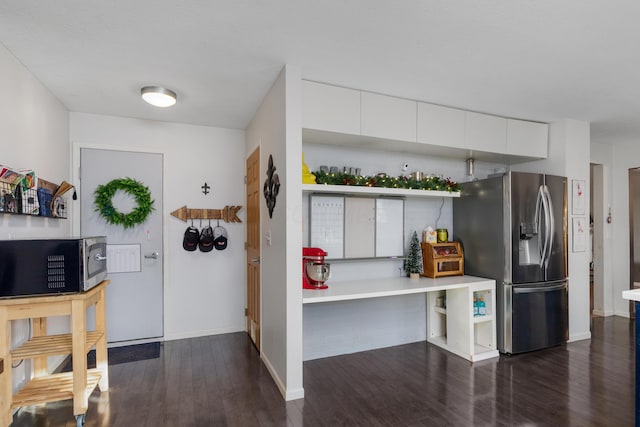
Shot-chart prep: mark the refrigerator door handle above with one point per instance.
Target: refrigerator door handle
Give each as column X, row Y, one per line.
column 542, row 215
column 538, row 221
column 537, row 289
column 552, row 224
column 544, row 260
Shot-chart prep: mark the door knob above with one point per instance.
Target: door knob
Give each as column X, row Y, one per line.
column 256, row 260
column 154, row 255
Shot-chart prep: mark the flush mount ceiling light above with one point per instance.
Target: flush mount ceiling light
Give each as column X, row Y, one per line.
column 158, row 96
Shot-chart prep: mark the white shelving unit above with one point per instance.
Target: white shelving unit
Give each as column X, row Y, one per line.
column 468, row 336
column 375, row 191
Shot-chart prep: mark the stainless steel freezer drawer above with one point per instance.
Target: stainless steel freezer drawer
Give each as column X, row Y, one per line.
column 536, row 317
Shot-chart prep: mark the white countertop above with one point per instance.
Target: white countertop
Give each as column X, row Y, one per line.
column 389, row 286
column 631, row 294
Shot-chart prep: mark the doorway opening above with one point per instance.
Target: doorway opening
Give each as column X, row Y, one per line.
column 596, row 234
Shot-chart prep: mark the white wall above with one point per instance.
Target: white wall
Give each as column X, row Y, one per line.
column 276, row 128
column 569, row 155
column 578, row 146
column 293, row 186
column 204, row 293
column 34, row 134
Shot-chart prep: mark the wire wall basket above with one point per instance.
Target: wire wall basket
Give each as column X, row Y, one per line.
column 38, row 201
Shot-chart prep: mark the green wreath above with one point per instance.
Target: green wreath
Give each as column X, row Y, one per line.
column 104, row 206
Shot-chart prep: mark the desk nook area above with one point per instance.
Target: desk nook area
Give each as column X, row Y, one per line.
column 346, row 313
column 356, row 296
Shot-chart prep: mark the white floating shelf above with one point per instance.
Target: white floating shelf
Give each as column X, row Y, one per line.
column 481, row 319
column 375, row 191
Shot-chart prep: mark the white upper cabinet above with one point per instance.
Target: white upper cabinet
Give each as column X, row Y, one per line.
column 442, row 126
column 388, row 117
column 484, row 132
column 527, row 138
column 419, row 127
column 330, row 108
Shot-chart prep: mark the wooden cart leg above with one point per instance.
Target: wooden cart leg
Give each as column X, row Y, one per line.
column 39, row 329
column 101, row 346
column 79, row 356
column 5, row 378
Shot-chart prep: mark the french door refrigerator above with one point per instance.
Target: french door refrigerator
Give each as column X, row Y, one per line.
column 513, row 229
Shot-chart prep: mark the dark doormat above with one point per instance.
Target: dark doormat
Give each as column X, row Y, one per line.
column 125, row 354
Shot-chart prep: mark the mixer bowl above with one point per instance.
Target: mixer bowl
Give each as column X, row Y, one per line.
column 317, row 272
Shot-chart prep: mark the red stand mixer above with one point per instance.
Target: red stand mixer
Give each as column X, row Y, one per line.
column 315, row 271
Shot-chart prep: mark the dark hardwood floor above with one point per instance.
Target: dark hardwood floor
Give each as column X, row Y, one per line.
column 220, row 381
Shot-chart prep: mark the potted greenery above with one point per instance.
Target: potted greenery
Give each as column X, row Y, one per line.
column 413, row 262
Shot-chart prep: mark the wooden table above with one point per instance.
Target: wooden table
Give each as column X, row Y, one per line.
column 43, row 387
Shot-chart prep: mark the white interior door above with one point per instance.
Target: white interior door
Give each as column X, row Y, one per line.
column 134, row 298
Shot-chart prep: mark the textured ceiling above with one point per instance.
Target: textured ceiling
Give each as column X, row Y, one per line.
column 539, row 60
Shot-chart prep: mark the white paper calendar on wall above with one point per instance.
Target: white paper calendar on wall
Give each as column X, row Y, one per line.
column 327, row 225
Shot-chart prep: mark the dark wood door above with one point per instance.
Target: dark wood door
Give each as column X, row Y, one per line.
column 253, row 247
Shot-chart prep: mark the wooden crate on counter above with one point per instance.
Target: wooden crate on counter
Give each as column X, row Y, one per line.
column 442, row 259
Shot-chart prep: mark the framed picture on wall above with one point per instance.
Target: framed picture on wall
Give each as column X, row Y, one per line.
column 580, row 230
column 578, row 197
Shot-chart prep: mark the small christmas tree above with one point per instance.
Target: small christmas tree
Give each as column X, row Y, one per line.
column 413, row 262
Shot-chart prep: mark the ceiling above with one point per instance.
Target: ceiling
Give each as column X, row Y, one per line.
column 541, row 60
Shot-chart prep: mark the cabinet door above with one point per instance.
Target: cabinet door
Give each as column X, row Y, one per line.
column 442, row 126
column 330, row 108
column 527, row 138
column 389, row 227
column 388, row 117
column 359, row 227
column 484, row 132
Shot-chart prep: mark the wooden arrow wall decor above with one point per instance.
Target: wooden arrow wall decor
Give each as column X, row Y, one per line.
column 227, row 214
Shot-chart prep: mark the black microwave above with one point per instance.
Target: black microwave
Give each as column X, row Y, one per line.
column 51, row 266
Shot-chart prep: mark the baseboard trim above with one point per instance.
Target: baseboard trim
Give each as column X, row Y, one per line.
column 202, row 333
column 134, row 342
column 603, row 313
column 580, row 336
column 274, row 375
column 623, row 314
column 294, row 394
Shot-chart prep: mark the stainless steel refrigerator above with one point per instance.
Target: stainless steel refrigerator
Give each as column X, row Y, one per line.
column 513, row 229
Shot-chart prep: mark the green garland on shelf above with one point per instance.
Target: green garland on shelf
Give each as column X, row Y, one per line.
column 385, row 181
column 104, row 206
